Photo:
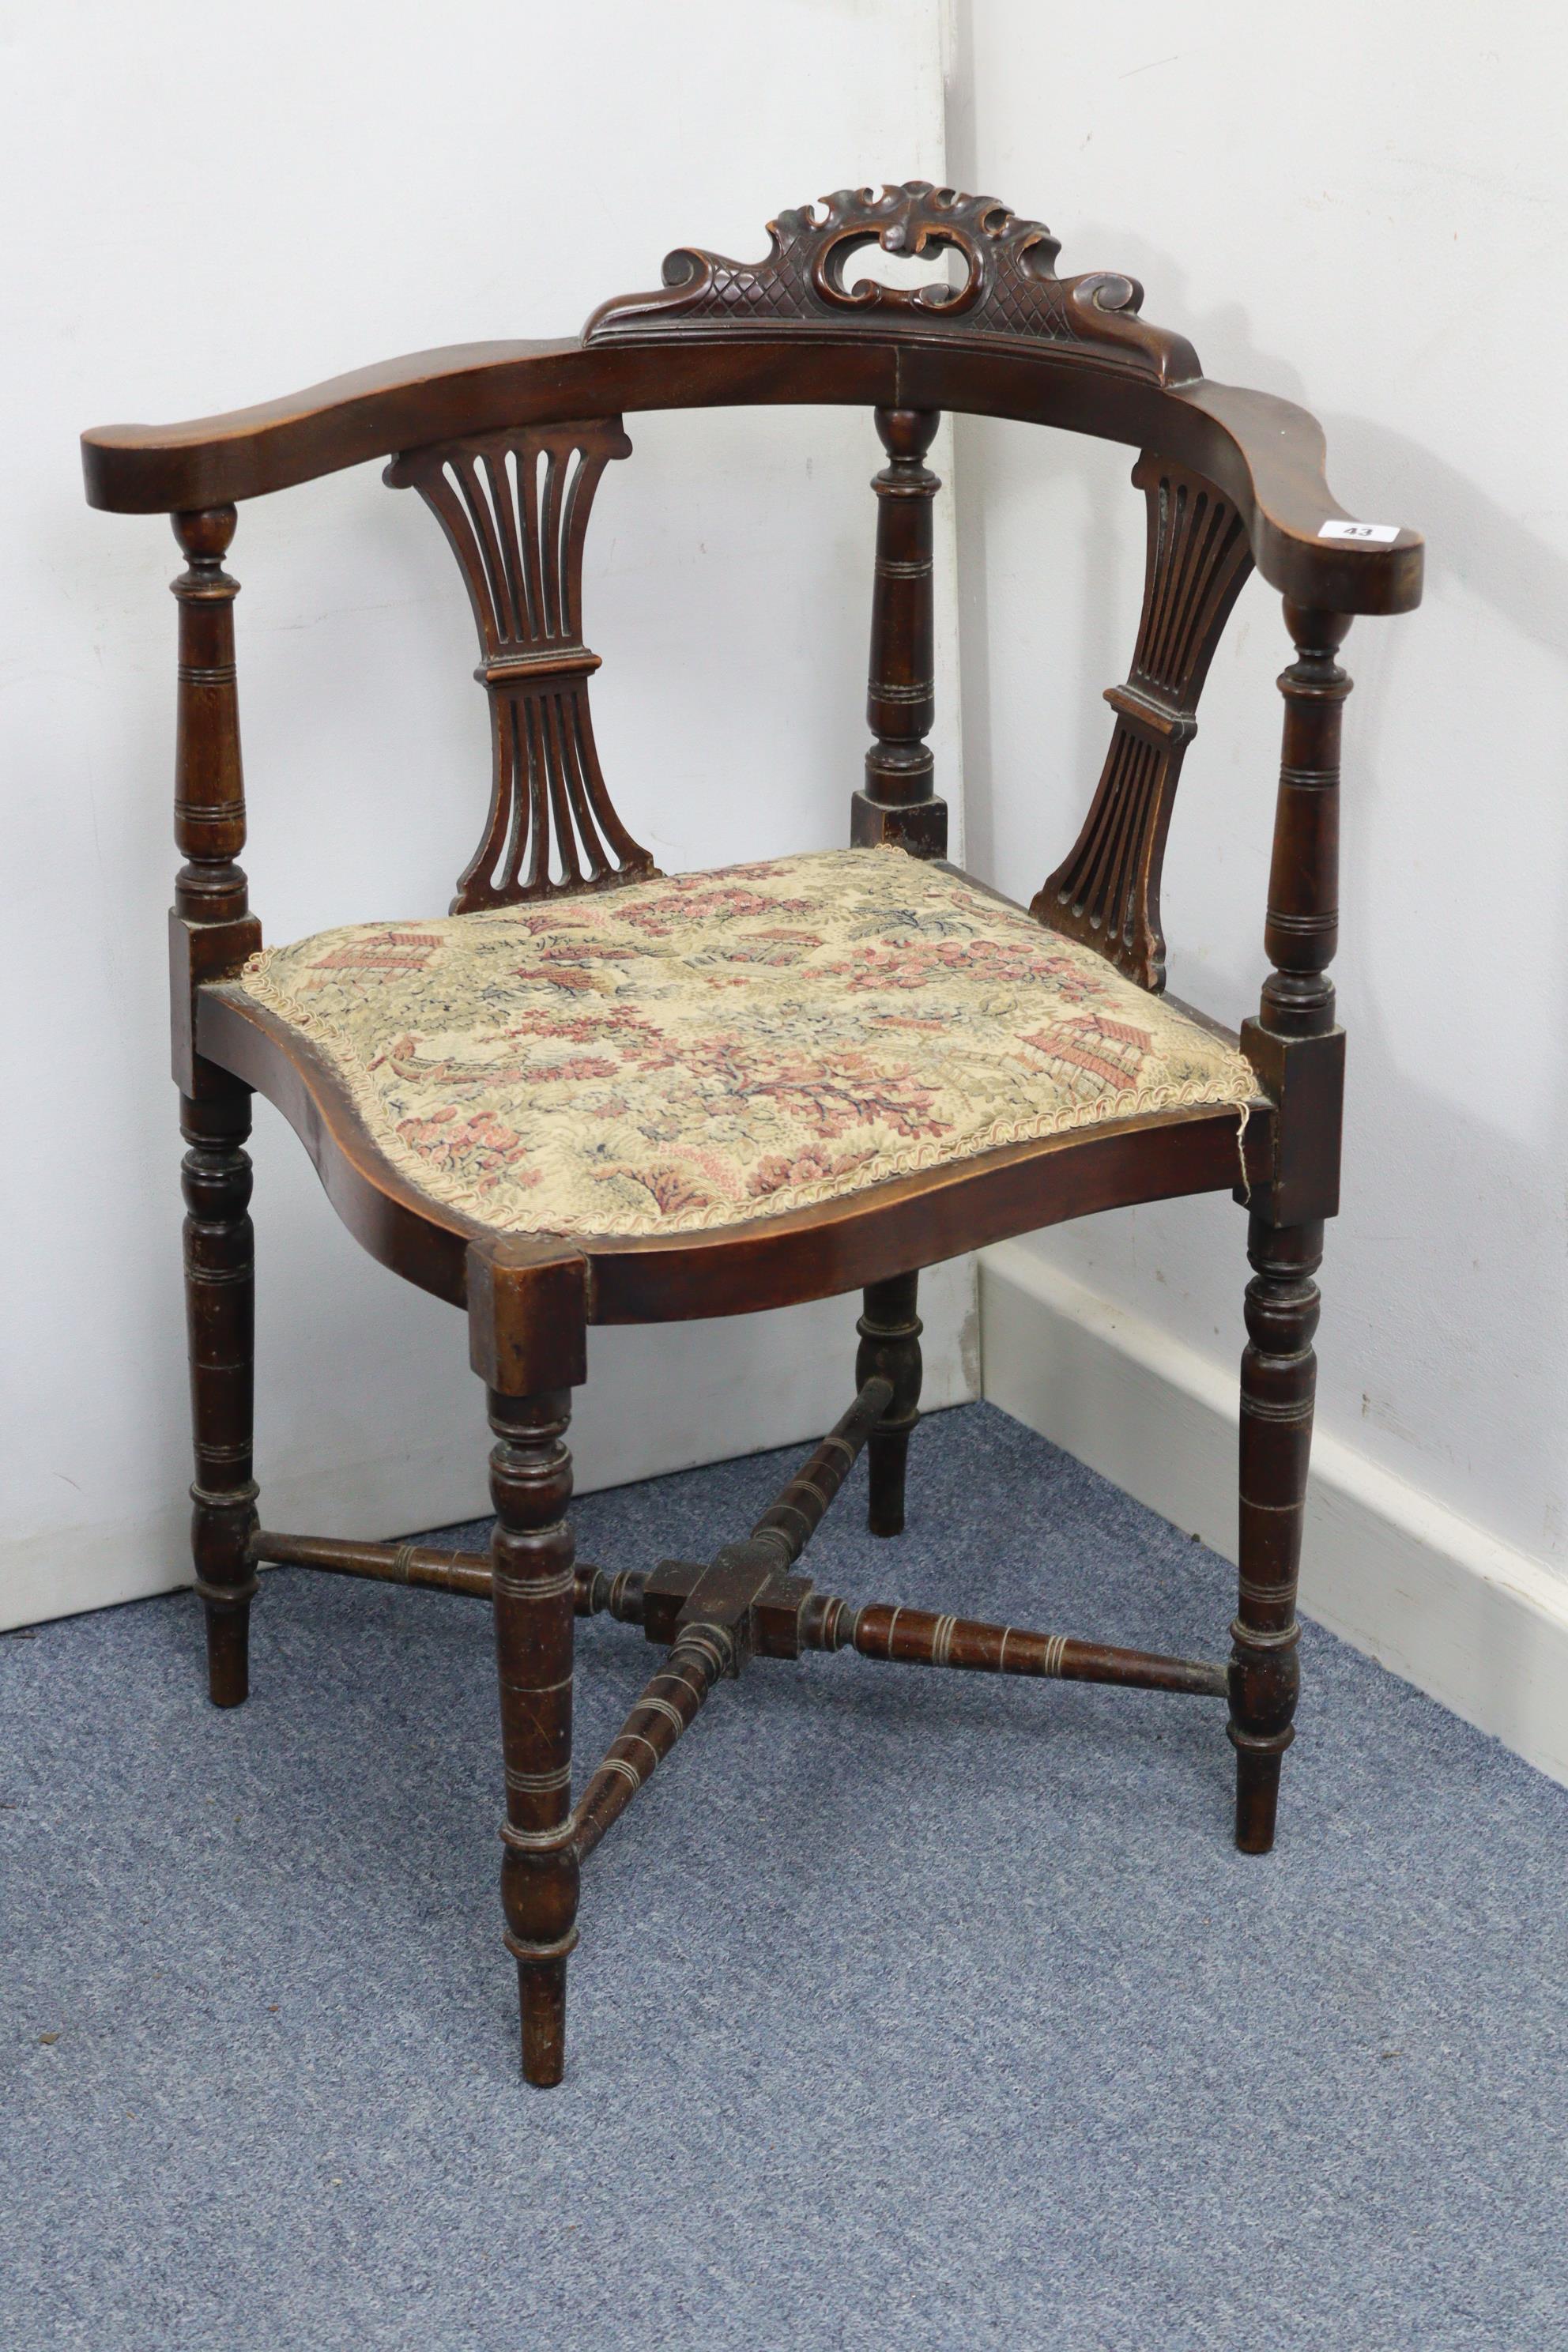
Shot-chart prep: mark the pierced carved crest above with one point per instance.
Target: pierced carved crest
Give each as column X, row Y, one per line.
column 1008, row 291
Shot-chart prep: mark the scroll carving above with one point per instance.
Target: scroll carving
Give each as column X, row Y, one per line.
column 514, row 507
column 1009, row 291
column 1106, row 892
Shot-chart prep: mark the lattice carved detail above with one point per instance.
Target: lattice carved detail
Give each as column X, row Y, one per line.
column 1009, row 290
column 514, row 507
column 1106, row 892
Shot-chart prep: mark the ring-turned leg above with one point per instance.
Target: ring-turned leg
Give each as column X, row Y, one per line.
column 1279, row 1374
column 890, row 1346
column 220, row 1309
column 1297, row 1050
column 211, row 934
column 531, row 1559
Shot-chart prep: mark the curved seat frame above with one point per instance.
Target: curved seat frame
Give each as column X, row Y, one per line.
column 506, row 442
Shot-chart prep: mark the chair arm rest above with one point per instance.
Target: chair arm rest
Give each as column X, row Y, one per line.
column 1269, row 455
column 214, row 461
column 1265, row 452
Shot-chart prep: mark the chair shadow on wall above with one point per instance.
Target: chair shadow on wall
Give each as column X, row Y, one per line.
column 1472, row 543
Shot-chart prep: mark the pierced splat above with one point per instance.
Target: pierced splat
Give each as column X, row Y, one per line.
column 1106, row 892
column 514, row 507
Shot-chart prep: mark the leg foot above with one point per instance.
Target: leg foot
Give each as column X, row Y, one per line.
column 228, row 1653
column 1257, row 1797
column 542, row 1993
column 890, row 1345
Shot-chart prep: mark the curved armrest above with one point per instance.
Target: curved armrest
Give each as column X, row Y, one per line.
column 1265, row 452
column 1294, row 515
column 215, row 460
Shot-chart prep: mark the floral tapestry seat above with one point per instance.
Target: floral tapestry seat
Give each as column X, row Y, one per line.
column 706, row 1049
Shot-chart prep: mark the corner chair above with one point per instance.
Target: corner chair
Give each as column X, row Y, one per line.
column 594, row 1094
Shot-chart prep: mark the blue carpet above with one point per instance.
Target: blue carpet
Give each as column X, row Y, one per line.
column 911, row 2009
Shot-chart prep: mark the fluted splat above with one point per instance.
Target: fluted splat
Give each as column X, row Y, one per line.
column 514, row 507
column 1106, row 892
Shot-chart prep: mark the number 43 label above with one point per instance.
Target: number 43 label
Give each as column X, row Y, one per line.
column 1374, row 535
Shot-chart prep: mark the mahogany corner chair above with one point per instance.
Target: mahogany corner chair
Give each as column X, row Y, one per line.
column 594, row 1094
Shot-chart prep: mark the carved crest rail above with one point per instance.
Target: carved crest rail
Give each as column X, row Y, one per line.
column 1009, row 293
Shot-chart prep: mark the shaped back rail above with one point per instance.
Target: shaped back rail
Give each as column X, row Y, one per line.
column 1106, row 892
column 514, row 507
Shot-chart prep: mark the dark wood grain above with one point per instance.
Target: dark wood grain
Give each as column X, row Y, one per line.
column 432, row 1567
column 923, row 1637
column 1263, row 452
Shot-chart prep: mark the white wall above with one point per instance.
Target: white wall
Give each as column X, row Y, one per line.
column 1367, row 213
column 210, row 205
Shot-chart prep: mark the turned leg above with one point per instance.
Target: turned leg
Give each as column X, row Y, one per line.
column 211, row 934
column 531, row 1557
column 220, row 1311
column 890, row 1345
column 1278, row 1371
column 1298, row 1051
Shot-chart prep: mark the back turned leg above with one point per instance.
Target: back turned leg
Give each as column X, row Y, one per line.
column 220, row 1317
column 890, row 1345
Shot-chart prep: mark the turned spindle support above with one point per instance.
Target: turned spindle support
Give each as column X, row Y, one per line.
column 897, row 803
column 528, row 1342
column 212, row 931
column 889, row 1347
column 1299, row 1052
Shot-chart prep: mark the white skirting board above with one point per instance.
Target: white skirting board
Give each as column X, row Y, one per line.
column 1468, row 1618
column 657, row 1399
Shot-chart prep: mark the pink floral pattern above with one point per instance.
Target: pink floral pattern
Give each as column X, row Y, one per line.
column 706, row 1048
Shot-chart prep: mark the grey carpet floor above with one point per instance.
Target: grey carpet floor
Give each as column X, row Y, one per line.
column 911, row 2009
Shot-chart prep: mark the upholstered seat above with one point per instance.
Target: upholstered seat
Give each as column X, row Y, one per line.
column 700, row 1050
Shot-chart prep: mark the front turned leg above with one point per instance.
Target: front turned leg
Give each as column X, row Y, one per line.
column 220, row 1314
column 890, row 1347
column 530, row 1558
column 1279, row 1374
